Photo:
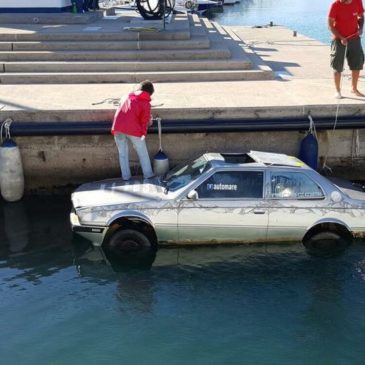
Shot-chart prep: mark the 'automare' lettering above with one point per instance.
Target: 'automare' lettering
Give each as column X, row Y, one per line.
column 222, row 187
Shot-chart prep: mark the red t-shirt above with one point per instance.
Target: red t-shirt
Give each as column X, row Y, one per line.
column 133, row 115
column 346, row 17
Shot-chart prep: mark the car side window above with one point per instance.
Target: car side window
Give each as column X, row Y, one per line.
column 294, row 185
column 232, row 185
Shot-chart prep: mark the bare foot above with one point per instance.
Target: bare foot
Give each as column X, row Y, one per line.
column 357, row 93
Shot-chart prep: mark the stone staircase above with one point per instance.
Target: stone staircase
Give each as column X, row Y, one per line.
column 189, row 49
column 50, row 18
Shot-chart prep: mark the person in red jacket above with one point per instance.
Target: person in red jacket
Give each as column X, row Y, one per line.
column 345, row 22
column 131, row 121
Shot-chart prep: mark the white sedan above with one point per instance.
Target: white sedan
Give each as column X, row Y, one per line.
column 222, row 198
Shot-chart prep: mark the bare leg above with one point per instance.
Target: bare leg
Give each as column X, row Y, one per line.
column 338, row 81
column 354, row 81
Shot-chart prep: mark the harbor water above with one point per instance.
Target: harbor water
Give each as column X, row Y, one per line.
column 62, row 303
column 306, row 17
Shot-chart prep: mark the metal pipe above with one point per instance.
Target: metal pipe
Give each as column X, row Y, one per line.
column 187, row 126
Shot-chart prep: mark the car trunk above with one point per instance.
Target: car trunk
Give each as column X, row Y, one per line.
column 353, row 190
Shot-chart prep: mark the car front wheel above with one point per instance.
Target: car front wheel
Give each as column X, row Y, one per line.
column 129, row 246
column 326, row 244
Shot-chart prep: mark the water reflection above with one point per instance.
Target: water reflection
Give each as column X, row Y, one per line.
column 34, row 221
column 34, row 237
column 16, row 226
column 263, row 271
column 88, row 259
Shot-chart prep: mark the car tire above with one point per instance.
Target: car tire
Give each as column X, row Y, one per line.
column 189, row 4
column 129, row 248
column 326, row 244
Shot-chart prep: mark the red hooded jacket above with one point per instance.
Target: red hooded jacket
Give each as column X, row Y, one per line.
column 133, row 115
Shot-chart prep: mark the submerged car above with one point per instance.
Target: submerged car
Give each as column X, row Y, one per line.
column 221, row 198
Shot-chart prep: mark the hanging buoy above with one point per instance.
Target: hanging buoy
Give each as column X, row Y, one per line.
column 160, row 161
column 309, row 151
column 11, row 168
column 309, row 147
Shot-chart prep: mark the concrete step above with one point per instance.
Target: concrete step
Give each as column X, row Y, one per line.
column 127, row 27
column 91, row 33
column 128, row 66
column 199, row 42
column 237, row 48
column 132, row 77
column 221, row 35
column 50, row 18
column 6, row 46
column 91, row 55
column 216, row 51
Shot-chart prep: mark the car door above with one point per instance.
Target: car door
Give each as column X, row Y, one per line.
column 229, row 208
column 296, row 202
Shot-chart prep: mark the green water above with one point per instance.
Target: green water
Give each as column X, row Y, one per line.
column 263, row 304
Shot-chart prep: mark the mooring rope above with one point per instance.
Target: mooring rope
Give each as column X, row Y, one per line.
column 312, row 127
column 5, row 126
column 324, row 165
column 114, row 101
column 355, row 148
column 339, row 99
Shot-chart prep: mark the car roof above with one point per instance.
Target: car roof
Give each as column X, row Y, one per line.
column 254, row 159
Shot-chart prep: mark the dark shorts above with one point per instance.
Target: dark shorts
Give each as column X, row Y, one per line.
column 354, row 56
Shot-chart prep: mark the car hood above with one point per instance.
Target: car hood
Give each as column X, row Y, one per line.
column 117, row 191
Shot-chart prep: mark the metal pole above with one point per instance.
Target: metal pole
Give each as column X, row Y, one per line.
column 163, row 15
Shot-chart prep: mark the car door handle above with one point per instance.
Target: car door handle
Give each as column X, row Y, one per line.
column 258, row 212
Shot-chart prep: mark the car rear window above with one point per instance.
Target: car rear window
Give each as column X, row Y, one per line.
column 294, row 185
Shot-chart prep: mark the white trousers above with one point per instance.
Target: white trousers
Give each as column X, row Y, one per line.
column 140, row 147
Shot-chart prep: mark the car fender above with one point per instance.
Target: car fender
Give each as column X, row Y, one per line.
column 329, row 220
column 130, row 214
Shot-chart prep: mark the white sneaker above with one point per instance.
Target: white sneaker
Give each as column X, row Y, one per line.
column 338, row 95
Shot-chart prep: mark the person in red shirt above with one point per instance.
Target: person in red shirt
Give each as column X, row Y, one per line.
column 131, row 121
column 345, row 22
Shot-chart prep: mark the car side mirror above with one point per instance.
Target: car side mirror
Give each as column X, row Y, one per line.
column 192, row 195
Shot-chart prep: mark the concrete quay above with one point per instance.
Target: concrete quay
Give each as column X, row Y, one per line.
column 125, row 49
column 301, row 83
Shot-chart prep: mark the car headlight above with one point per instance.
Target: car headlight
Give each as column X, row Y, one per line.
column 74, row 219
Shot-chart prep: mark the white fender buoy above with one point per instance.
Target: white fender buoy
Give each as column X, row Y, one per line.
column 160, row 161
column 11, row 168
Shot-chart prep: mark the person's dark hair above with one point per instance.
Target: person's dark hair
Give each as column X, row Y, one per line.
column 147, row 86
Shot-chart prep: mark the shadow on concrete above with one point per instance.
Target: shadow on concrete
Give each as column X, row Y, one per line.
column 4, row 104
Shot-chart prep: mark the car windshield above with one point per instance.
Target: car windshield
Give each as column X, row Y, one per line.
column 183, row 174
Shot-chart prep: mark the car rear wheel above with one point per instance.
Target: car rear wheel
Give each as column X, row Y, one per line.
column 326, row 244
column 129, row 247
